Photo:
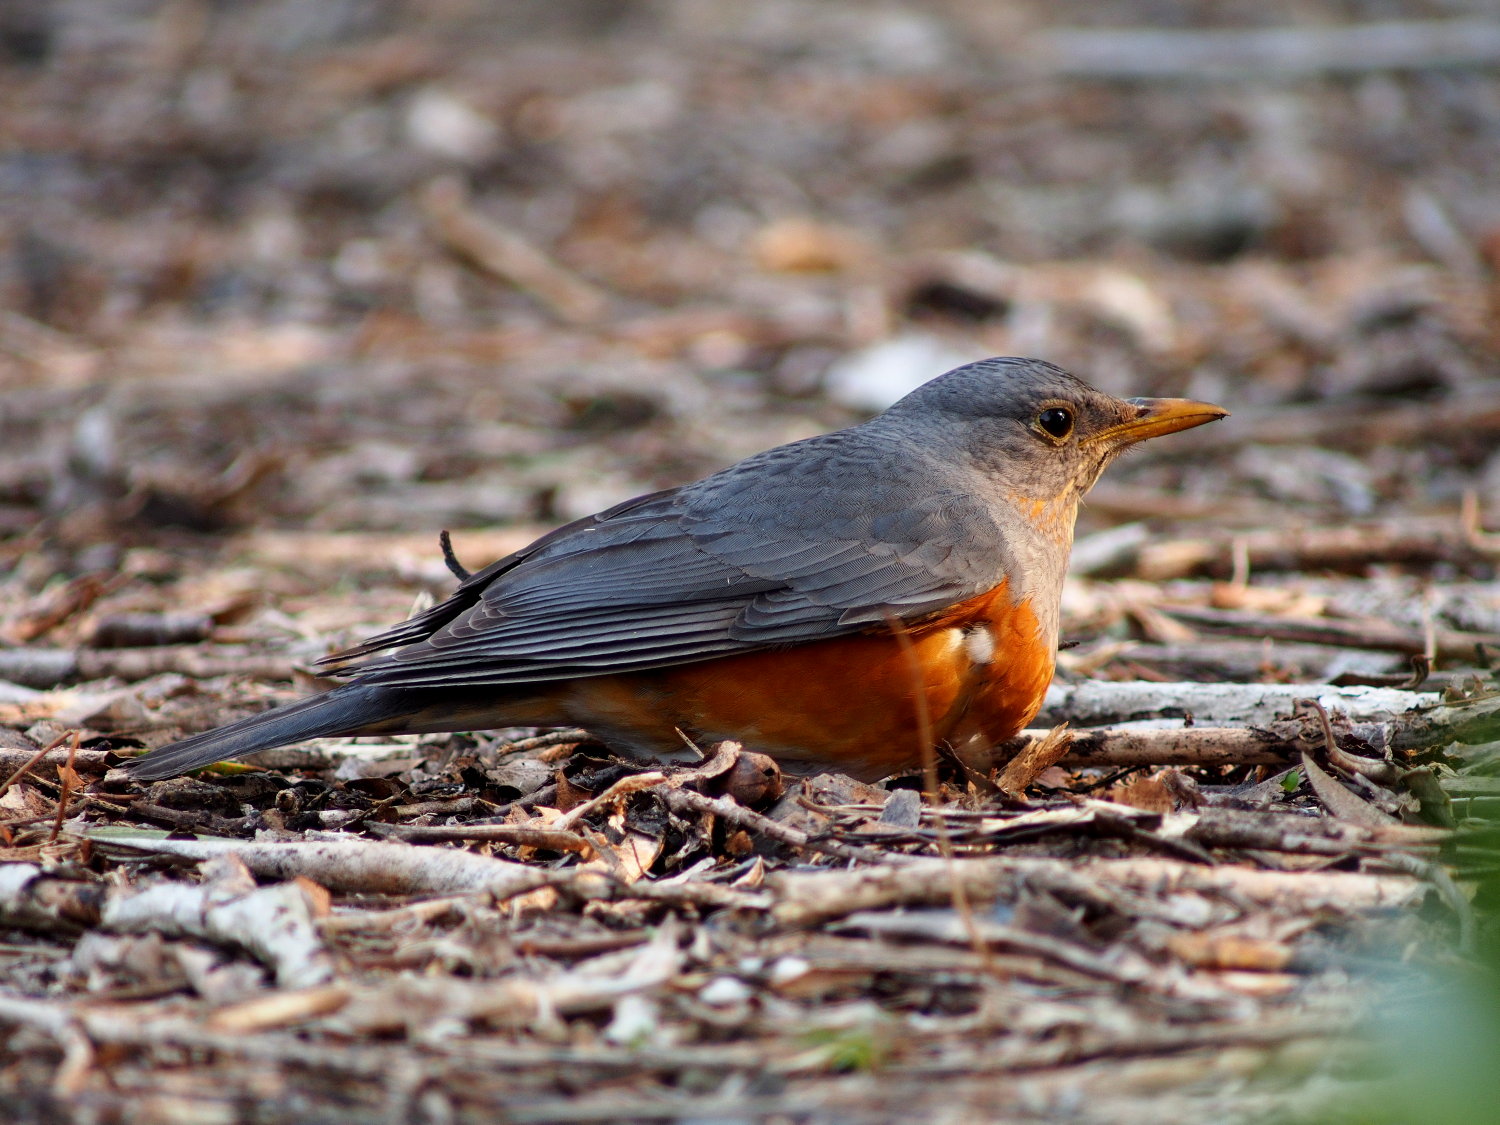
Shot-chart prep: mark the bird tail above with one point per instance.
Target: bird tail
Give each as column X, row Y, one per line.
column 350, row 709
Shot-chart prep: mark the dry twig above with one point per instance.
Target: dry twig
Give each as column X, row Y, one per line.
column 1279, row 51
column 505, row 254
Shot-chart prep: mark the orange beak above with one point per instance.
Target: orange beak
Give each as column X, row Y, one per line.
column 1158, row 416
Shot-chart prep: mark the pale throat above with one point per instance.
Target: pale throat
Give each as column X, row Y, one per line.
column 1051, row 518
column 1041, row 540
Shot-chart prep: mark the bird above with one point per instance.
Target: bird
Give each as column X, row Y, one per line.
column 845, row 602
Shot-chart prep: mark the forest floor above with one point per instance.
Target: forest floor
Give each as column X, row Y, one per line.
column 288, row 288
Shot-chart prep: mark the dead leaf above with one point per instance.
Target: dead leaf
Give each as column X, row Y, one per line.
column 752, row 878
column 1230, row 952
column 569, row 796
column 56, row 606
column 902, row 810
column 627, row 860
column 278, row 1009
column 753, row 779
column 21, row 802
column 1340, row 801
column 1151, row 793
column 1036, row 757
column 797, row 245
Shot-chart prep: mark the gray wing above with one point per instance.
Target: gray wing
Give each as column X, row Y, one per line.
column 794, row 545
column 855, row 534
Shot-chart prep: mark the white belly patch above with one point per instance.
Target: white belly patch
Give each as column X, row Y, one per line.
column 979, row 644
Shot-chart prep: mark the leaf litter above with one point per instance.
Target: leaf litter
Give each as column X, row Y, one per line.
column 287, row 297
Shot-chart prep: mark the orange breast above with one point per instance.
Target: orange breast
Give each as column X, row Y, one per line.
column 981, row 668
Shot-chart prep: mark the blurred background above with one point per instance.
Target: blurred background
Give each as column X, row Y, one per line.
column 371, row 265
column 288, row 286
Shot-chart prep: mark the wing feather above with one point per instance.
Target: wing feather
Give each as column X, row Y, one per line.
column 777, row 550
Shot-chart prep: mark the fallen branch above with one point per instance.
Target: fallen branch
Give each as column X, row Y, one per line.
column 1450, row 644
column 590, row 884
column 1270, row 52
column 193, row 820
column 1177, row 746
column 1347, row 548
column 1097, row 703
column 14, row 764
column 505, row 254
column 1473, row 721
column 351, row 864
column 1230, row 828
column 151, row 630
column 730, row 810
column 274, row 924
column 412, row 1005
column 805, row 898
column 1119, row 964
column 553, row 738
column 50, row 667
column 524, row 835
column 1247, row 661
column 1288, row 891
column 128, row 1028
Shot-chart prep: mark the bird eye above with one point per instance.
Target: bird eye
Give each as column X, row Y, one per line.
column 1056, row 421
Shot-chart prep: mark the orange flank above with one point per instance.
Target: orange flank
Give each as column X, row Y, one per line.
column 984, row 668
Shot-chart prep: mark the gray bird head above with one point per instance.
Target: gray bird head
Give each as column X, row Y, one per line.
column 1041, row 435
